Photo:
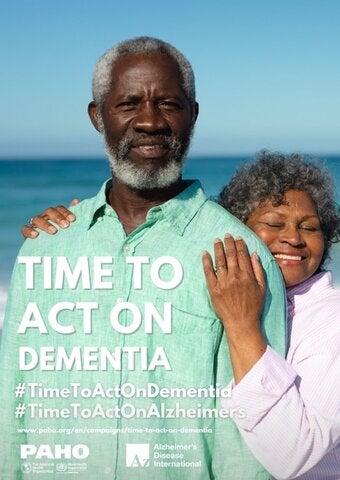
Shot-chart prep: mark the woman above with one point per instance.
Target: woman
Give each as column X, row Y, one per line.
column 293, row 406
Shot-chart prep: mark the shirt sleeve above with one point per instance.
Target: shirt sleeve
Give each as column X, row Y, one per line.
column 12, row 433
column 292, row 413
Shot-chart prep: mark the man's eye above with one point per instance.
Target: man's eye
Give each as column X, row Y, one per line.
column 168, row 105
column 127, row 105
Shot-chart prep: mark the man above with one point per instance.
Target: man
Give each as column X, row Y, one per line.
column 114, row 328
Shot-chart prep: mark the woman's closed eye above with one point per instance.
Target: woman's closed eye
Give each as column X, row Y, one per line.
column 310, row 228
column 274, row 224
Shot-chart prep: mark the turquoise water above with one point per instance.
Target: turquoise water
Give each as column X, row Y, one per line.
column 27, row 187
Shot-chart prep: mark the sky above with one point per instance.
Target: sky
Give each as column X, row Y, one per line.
column 267, row 71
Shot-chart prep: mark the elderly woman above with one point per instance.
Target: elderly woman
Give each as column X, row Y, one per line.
column 292, row 423
column 293, row 406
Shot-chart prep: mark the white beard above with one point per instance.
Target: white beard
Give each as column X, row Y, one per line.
column 142, row 179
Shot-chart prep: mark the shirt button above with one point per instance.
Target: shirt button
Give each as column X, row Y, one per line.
column 127, row 248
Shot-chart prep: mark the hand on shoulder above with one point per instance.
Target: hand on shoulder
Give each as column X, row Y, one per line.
column 59, row 215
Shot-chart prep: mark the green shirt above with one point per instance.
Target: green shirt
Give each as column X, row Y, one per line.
column 148, row 345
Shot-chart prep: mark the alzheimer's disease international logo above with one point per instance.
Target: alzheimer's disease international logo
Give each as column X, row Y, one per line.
column 137, row 455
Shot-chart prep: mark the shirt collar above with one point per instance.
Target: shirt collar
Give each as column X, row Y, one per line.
column 98, row 204
column 179, row 210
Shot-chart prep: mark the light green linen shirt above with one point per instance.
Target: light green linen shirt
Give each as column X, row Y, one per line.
column 185, row 436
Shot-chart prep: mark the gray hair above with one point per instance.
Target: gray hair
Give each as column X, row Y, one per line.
column 102, row 76
column 273, row 174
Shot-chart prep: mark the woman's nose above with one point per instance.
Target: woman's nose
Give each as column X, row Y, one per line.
column 292, row 235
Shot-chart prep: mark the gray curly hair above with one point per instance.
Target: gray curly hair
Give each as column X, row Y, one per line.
column 102, row 76
column 273, row 174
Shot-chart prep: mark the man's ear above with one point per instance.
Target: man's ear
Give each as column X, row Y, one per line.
column 93, row 114
column 195, row 112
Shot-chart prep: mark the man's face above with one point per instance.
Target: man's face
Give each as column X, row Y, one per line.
column 147, row 121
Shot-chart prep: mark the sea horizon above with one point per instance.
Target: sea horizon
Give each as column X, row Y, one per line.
column 27, row 187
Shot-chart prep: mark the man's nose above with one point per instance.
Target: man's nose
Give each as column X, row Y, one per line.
column 150, row 119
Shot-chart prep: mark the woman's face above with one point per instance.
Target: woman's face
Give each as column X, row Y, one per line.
column 292, row 233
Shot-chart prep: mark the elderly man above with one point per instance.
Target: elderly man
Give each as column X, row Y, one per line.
column 113, row 361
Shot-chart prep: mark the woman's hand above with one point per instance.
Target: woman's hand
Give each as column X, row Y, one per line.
column 59, row 215
column 237, row 289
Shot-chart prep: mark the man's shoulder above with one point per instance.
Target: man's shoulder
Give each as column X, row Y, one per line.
column 212, row 215
column 217, row 221
column 219, row 213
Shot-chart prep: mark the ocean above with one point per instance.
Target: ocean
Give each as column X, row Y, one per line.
column 28, row 186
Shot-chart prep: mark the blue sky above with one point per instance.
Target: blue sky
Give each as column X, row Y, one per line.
column 267, row 71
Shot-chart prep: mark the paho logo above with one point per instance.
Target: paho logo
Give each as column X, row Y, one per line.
column 137, row 455
column 56, row 451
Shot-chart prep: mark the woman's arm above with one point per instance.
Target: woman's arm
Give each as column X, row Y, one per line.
column 293, row 411
column 292, row 407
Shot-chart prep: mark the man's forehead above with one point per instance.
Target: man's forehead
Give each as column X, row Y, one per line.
column 133, row 61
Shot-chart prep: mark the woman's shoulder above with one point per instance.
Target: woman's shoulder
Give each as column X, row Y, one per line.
column 316, row 303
